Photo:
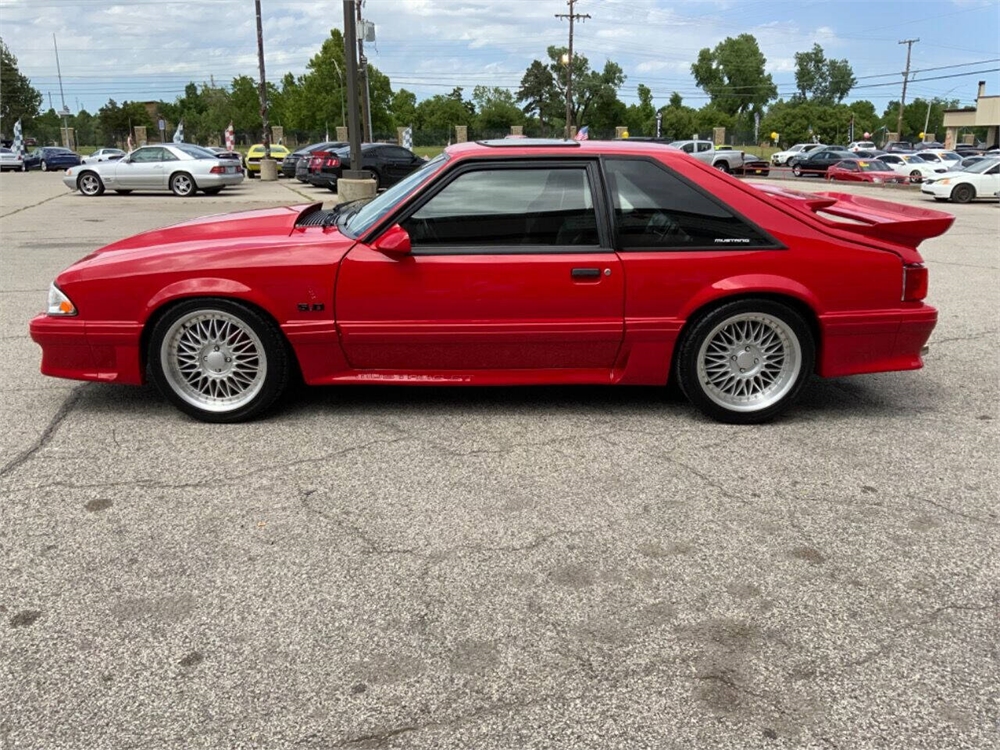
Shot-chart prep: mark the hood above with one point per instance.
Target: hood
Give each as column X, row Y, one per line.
column 263, row 224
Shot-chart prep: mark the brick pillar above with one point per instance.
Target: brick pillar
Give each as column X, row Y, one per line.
column 140, row 135
column 68, row 138
column 277, row 135
column 399, row 136
column 341, row 133
column 517, row 129
column 718, row 136
column 461, row 133
column 620, row 131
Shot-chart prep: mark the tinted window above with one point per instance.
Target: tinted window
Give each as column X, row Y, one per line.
column 196, row 151
column 394, row 152
column 655, row 209
column 504, row 207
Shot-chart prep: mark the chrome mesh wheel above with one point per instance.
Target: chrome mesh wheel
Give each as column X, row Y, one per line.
column 748, row 362
column 213, row 360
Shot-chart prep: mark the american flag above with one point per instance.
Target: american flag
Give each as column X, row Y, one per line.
column 18, row 145
column 230, row 137
column 582, row 134
column 179, row 133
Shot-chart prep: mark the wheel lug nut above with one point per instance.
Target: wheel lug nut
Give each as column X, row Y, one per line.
column 756, row 361
column 734, row 358
column 742, row 370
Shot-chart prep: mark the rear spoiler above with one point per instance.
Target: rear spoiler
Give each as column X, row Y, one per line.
column 871, row 217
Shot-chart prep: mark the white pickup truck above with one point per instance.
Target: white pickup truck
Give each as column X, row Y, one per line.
column 727, row 160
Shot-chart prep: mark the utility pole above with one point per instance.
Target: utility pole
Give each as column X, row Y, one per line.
column 569, row 63
column 363, row 72
column 263, row 87
column 353, row 118
column 906, row 77
column 62, row 96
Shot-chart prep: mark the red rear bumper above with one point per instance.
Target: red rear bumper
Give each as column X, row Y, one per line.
column 81, row 350
column 875, row 341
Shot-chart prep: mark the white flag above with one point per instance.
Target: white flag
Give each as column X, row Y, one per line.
column 179, row 133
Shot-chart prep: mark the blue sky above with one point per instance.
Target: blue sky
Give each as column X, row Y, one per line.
column 149, row 49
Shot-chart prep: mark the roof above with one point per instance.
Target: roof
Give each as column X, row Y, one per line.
column 537, row 147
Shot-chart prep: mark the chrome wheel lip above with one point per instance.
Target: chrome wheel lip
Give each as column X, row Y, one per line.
column 749, row 362
column 213, row 360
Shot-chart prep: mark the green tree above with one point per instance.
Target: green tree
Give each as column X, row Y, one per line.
column 115, row 122
column 732, row 74
column 19, row 100
column 915, row 116
column 404, row 108
column 640, row 119
column 821, row 80
column 380, row 102
column 539, row 94
column 594, row 92
column 83, row 124
column 679, row 121
column 441, row 113
column 497, row 109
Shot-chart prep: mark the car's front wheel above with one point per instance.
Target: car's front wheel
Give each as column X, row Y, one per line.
column 796, row 170
column 915, row 175
column 963, row 193
column 218, row 360
column 44, row 166
column 90, row 184
column 746, row 361
column 182, row 184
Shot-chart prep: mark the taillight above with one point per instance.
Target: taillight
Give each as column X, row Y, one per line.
column 217, row 170
column 914, row 282
column 331, row 161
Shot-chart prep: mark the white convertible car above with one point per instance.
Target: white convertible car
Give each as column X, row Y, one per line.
column 181, row 168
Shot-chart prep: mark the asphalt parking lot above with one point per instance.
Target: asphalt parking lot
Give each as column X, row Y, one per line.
column 493, row 569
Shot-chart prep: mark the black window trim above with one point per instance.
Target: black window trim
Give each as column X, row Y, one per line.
column 773, row 244
column 598, row 195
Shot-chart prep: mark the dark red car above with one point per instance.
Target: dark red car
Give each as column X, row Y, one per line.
column 864, row 170
column 509, row 262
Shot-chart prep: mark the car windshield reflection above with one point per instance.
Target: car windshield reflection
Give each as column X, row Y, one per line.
column 355, row 223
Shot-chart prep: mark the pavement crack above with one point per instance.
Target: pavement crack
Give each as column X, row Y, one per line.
column 33, row 205
column 47, row 434
column 952, row 512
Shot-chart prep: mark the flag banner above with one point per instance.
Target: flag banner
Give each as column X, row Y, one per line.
column 583, row 133
column 179, row 133
column 408, row 138
column 230, row 138
column 18, row 145
column 129, row 145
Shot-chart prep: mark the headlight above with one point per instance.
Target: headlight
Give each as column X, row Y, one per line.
column 69, row 171
column 59, row 303
column 945, row 181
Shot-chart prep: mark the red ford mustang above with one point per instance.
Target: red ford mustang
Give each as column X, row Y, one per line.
column 509, row 262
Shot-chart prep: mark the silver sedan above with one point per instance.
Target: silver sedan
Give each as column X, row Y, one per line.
column 181, row 168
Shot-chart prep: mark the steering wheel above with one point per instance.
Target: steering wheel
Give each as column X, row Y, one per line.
column 661, row 226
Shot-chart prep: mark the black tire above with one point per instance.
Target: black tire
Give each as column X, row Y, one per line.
column 24, row 167
column 740, row 335
column 963, row 193
column 90, row 184
column 182, row 185
column 211, row 190
column 915, row 176
column 43, row 166
column 378, row 179
column 722, row 166
column 210, row 333
column 124, row 192
column 796, row 170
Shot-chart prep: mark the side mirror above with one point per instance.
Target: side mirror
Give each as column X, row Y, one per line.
column 395, row 241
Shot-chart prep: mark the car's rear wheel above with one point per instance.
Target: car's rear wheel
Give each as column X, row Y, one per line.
column 746, row 361
column 218, row 360
column 378, row 179
column 963, row 193
column 44, row 166
column 915, row 175
column 796, row 170
column 89, row 183
column 722, row 166
column 182, row 184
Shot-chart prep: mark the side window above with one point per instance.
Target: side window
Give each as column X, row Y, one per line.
column 394, row 152
column 654, row 209
column 688, row 148
column 146, row 155
column 704, row 146
column 528, row 207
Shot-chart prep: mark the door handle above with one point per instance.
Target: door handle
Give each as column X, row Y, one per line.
column 585, row 273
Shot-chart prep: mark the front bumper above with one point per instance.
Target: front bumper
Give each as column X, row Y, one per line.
column 87, row 350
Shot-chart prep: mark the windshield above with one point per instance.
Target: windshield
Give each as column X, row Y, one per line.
column 980, row 167
column 369, row 214
column 917, row 158
column 874, row 166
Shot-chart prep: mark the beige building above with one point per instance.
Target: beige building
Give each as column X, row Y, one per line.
column 985, row 115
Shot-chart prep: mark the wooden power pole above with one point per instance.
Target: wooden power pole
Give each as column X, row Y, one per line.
column 906, row 77
column 569, row 63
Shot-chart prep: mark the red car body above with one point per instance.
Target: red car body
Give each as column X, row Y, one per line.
column 860, row 171
column 371, row 309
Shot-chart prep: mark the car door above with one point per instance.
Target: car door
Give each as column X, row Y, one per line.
column 510, row 269
column 399, row 162
column 144, row 169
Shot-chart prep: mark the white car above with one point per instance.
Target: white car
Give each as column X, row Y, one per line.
column 103, row 154
column 798, row 149
column 181, row 168
column 941, row 157
column 913, row 165
column 981, row 180
column 10, row 160
column 861, row 146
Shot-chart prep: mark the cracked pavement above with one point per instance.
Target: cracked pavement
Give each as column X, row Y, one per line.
column 506, row 568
